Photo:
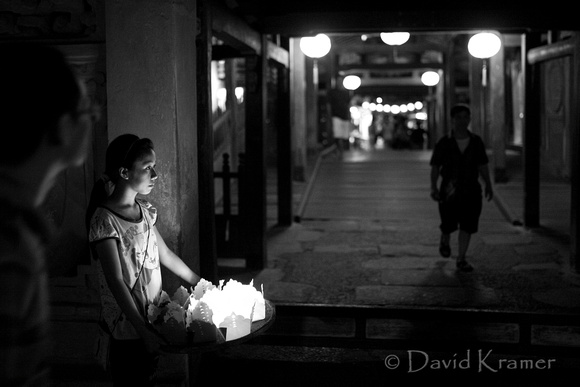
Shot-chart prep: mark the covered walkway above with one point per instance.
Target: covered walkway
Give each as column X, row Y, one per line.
column 369, row 235
column 358, row 283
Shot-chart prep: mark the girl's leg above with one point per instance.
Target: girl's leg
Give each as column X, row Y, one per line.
column 131, row 364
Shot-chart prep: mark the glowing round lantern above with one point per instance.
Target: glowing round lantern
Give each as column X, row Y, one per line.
column 430, row 78
column 395, row 38
column 351, row 82
column 484, row 45
column 315, row 46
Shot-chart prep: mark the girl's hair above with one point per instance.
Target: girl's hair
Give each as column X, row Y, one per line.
column 122, row 152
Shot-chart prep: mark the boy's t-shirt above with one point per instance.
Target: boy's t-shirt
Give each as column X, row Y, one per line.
column 138, row 250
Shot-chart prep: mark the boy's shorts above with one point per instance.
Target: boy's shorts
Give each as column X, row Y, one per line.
column 461, row 213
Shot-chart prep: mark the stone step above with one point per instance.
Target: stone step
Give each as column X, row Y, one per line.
column 291, row 365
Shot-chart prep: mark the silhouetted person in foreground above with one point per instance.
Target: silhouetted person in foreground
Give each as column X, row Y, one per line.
column 46, row 121
column 460, row 159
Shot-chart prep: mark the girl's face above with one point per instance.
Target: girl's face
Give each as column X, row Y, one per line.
column 142, row 175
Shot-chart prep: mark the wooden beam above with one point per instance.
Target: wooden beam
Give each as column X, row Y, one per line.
column 393, row 66
column 278, row 54
column 551, row 51
column 234, row 31
column 384, row 48
column 338, row 20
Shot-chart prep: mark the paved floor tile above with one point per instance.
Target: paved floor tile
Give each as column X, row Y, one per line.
column 419, row 278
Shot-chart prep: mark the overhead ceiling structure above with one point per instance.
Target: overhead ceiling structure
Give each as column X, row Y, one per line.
column 432, row 25
column 306, row 17
column 391, row 72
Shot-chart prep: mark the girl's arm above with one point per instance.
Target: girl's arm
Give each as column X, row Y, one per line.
column 109, row 256
column 171, row 261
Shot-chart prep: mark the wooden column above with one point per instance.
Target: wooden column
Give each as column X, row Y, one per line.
column 497, row 114
column 207, row 242
column 255, row 178
column 531, row 124
column 285, row 202
column 575, row 160
column 448, row 84
column 476, row 95
column 552, row 51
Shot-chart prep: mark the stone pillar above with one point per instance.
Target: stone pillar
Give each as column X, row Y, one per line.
column 151, row 91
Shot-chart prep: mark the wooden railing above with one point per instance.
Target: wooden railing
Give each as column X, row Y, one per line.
column 444, row 329
column 229, row 223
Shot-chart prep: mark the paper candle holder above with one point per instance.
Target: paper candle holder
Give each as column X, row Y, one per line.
column 199, row 316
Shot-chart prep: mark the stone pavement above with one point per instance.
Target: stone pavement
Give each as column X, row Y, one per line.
column 369, row 236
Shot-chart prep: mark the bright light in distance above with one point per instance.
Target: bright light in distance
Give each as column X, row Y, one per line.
column 484, row 45
column 364, row 38
column 379, row 100
column 395, row 38
column 239, row 92
column 354, row 112
column 351, row 82
column 222, row 96
column 315, row 46
column 430, row 78
column 403, row 108
column 421, row 116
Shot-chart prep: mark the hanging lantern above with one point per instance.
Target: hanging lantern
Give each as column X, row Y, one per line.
column 484, row 45
column 430, row 78
column 351, row 82
column 315, row 46
column 395, row 38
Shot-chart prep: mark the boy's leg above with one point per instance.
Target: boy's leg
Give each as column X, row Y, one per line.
column 444, row 248
column 463, row 239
